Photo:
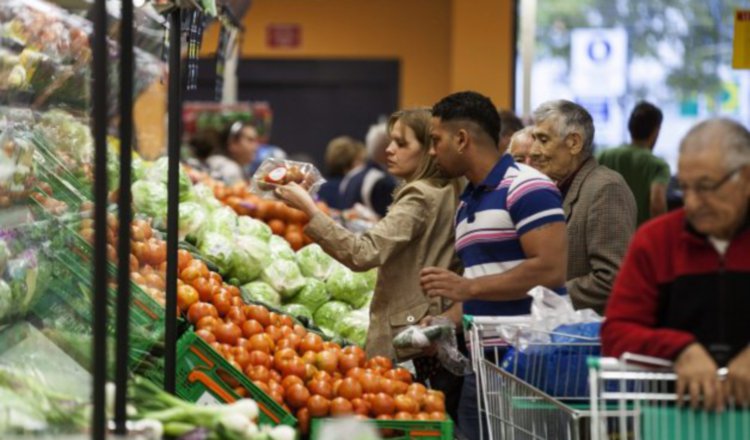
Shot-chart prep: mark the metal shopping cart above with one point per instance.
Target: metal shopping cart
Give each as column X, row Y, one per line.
column 634, row 398
column 540, row 392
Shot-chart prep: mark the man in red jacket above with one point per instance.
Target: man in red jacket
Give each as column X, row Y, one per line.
column 683, row 291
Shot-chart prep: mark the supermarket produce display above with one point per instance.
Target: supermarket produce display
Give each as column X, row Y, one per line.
column 270, row 327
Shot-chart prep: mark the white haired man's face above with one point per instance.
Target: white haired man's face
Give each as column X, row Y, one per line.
column 716, row 196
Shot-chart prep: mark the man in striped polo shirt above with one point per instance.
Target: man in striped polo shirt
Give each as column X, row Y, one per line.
column 510, row 226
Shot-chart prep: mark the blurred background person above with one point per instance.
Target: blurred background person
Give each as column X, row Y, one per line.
column 520, row 145
column 370, row 184
column 343, row 154
column 646, row 175
column 226, row 157
column 509, row 124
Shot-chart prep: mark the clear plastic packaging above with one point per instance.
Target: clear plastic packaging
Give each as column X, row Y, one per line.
column 274, row 172
column 441, row 334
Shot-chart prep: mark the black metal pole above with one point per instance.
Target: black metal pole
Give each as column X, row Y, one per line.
column 173, row 196
column 124, row 209
column 99, row 116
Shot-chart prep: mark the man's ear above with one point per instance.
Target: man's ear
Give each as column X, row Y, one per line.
column 462, row 139
column 574, row 142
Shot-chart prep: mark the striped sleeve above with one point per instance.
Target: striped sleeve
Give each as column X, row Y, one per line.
column 534, row 202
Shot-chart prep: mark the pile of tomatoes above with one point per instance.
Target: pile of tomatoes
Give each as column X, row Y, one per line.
column 283, row 220
column 308, row 376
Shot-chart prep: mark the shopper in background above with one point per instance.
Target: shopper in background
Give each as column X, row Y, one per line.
column 682, row 293
column 646, row 175
column 236, row 151
column 416, row 232
column 343, row 154
column 509, row 124
column 520, row 145
column 370, row 184
column 599, row 207
column 510, row 228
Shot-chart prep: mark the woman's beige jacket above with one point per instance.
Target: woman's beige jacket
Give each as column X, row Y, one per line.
column 417, row 232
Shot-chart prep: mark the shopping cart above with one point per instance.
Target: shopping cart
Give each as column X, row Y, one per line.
column 540, row 392
column 634, row 398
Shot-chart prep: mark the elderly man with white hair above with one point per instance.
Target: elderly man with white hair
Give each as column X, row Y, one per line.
column 520, row 145
column 600, row 210
column 683, row 292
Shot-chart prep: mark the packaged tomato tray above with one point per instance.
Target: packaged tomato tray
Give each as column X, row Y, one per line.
column 273, row 173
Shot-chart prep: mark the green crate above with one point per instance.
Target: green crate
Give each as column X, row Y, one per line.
column 203, row 376
column 401, row 429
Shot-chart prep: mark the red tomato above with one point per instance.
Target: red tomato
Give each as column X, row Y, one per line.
column 327, row 360
column 348, row 362
column 341, row 407
column 383, row 404
column 303, row 417
column 406, row 403
column 199, row 310
column 296, row 396
column 251, row 327
column 258, row 313
column 222, row 301
column 183, row 259
column 258, row 357
column 236, row 315
column 321, row 387
column 432, row 403
column 318, row 406
column 349, row 389
column 361, row 407
column 186, row 297
column 261, row 342
column 311, row 342
column 206, row 335
column 207, row 322
column 257, row 373
column 227, row 333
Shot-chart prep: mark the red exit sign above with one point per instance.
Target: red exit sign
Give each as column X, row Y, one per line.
column 284, row 35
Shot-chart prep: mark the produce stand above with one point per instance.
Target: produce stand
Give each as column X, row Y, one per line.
column 163, row 297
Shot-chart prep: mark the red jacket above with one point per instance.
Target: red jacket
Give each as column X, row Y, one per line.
column 674, row 288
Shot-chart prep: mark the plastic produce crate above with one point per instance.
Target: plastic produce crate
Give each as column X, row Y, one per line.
column 204, row 377
column 400, row 429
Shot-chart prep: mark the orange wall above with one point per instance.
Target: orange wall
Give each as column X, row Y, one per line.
column 443, row 45
column 481, row 48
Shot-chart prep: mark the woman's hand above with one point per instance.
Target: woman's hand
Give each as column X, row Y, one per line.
column 297, row 197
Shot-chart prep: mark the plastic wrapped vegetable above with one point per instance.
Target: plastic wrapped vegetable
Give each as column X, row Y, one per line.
column 280, row 249
column 221, row 221
column 298, row 310
column 329, row 314
column 254, row 228
column 315, row 263
column 416, row 336
column 350, row 287
column 150, row 198
column 284, row 276
column 158, row 173
column 192, row 216
column 354, row 327
column 261, row 292
column 313, row 295
column 274, row 172
column 205, row 196
column 220, row 249
column 251, row 255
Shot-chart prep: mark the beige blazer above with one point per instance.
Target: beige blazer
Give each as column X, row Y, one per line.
column 416, row 232
column 600, row 212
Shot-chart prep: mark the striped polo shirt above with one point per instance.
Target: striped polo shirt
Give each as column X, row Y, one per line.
column 512, row 200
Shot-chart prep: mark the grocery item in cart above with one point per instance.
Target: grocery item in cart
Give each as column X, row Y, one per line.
column 441, row 334
column 274, row 172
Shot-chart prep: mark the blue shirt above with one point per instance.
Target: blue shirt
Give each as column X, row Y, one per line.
column 492, row 216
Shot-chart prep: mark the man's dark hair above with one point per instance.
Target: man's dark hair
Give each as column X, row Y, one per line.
column 472, row 107
column 509, row 123
column 644, row 120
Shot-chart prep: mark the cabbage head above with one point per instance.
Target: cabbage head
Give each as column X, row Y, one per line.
column 220, row 249
column 297, row 310
column 280, row 249
column 192, row 216
column 315, row 263
column 158, row 173
column 354, row 327
column 221, row 221
column 284, row 276
column 261, row 292
column 150, row 198
column 329, row 314
column 205, row 196
column 347, row 286
column 250, row 256
column 313, row 295
column 254, row 228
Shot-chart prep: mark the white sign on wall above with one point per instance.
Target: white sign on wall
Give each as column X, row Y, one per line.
column 598, row 62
